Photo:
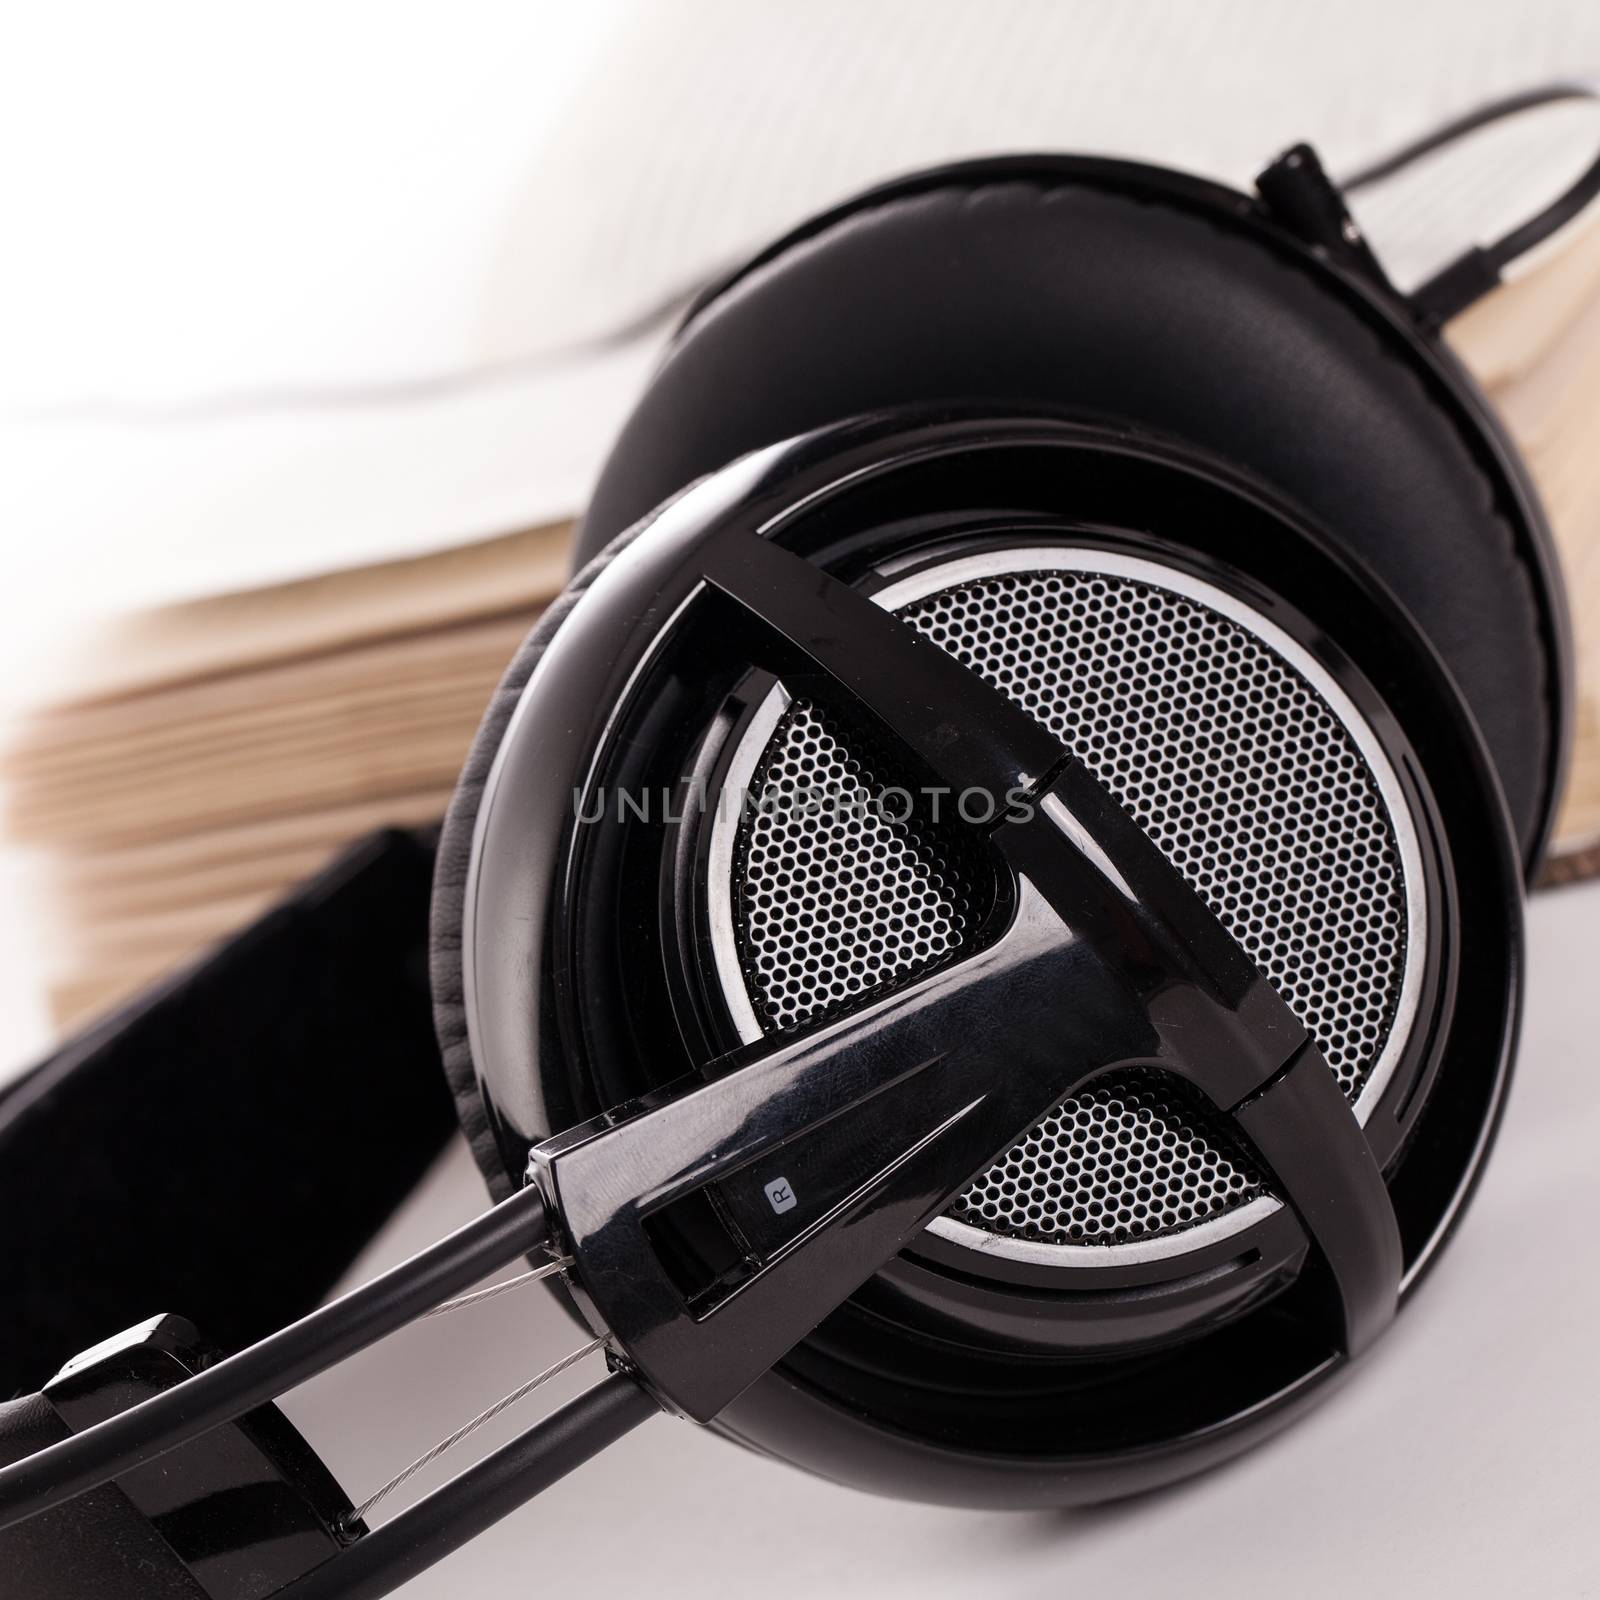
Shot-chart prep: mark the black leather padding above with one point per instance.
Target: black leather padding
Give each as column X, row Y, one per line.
column 1066, row 294
column 226, row 1143
column 454, row 859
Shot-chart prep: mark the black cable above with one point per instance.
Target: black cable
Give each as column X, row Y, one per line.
column 1456, row 128
column 266, row 1369
column 1478, row 269
column 479, row 1497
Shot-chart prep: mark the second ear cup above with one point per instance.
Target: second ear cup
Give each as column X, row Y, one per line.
column 1062, row 294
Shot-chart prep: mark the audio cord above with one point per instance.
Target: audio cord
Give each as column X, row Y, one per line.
column 1563, row 209
column 1480, row 268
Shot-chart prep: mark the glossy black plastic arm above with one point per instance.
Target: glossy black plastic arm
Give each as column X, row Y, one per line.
column 869, row 1126
column 277, row 1363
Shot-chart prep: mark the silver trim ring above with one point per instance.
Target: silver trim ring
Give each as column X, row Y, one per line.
column 1051, row 558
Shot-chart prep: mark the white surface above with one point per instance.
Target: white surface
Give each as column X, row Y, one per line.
column 1460, row 1461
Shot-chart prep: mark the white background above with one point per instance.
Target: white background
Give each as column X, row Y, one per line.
column 287, row 287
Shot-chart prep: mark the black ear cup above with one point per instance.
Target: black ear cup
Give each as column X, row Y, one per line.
column 1147, row 308
column 1125, row 1295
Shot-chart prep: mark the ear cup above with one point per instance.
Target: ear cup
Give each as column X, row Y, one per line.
column 959, row 1372
column 1073, row 296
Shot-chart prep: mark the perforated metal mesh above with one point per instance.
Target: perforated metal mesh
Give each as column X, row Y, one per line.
column 1123, row 1159
column 1231, row 762
column 839, row 894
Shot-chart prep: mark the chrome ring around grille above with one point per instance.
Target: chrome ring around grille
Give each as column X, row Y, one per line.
column 1234, row 749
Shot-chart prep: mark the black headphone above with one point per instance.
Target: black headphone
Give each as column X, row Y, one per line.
column 978, row 945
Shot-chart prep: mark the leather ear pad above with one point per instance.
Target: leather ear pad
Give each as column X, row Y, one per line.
column 1074, row 296
column 455, row 855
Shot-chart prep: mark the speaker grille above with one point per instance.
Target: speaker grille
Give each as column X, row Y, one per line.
column 837, row 895
column 1228, row 759
column 1124, row 1159
column 1222, row 751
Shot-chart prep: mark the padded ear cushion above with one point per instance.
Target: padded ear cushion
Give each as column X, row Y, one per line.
column 455, row 855
column 1059, row 292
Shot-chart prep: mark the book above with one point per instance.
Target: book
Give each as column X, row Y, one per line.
column 1534, row 344
column 189, row 763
